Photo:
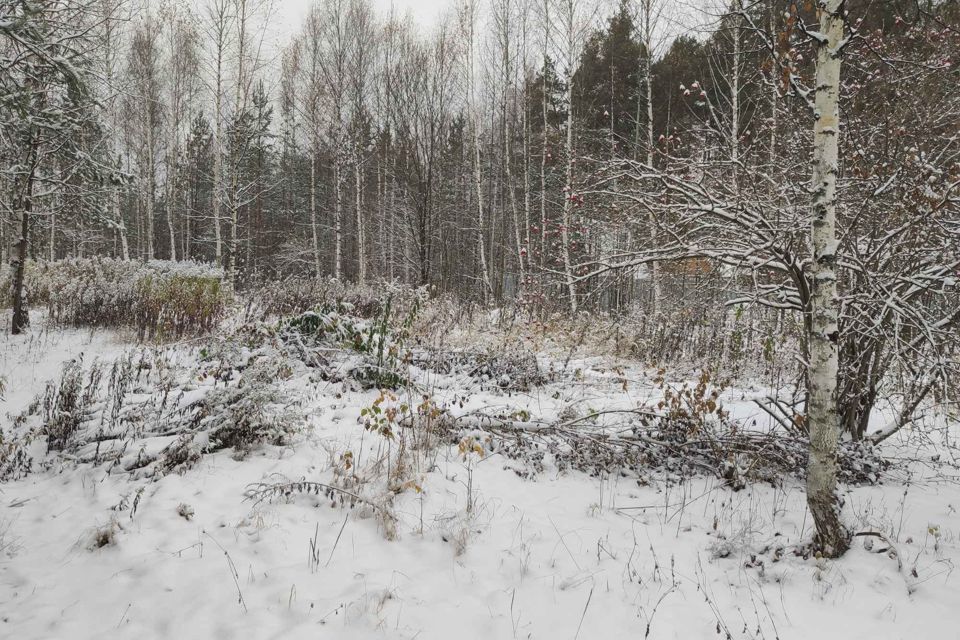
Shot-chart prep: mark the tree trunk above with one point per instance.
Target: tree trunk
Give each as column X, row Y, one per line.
column 543, row 155
column 508, row 169
column 358, row 194
column 187, row 215
column 338, row 215
column 477, row 175
column 217, row 154
column 52, row 248
column 823, row 419
column 313, row 214
column 381, row 216
column 121, row 226
column 151, row 184
column 21, row 315
column 648, row 80
column 234, row 224
column 526, row 174
column 170, row 227
column 568, row 198
column 735, row 96
column 481, row 222
column 774, row 94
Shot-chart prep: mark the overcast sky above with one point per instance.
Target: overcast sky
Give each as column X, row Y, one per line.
column 423, row 11
column 289, row 14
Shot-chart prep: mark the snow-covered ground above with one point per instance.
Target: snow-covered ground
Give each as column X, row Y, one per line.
column 476, row 545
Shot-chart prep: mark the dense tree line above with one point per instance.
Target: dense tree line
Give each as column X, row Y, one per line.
column 368, row 149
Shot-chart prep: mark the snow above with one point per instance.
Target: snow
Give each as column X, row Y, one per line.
column 28, row 361
column 547, row 555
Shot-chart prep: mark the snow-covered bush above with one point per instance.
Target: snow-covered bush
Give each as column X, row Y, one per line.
column 160, row 299
column 64, row 404
column 745, row 342
column 379, row 341
column 297, row 295
column 508, row 369
column 149, row 414
column 250, row 413
column 16, row 460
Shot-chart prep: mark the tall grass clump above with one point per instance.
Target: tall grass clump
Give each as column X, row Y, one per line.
column 160, row 299
column 295, row 295
column 380, row 341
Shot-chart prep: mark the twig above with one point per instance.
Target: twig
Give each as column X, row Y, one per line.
column 564, row 543
column 124, row 614
column 663, row 597
column 233, row 571
column 337, row 541
column 584, row 614
column 891, row 546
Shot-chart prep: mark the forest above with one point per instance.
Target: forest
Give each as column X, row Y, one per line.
column 570, row 318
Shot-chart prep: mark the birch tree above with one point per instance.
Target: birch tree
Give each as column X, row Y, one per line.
column 468, row 20
column 574, row 20
column 824, row 422
column 651, row 13
column 219, row 27
column 363, row 45
column 505, row 31
column 112, row 15
column 333, row 55
column 181, row 70
column 856, row 246
column 312, row 112
column 146, row 109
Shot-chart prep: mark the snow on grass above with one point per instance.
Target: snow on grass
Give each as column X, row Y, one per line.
column 29, row 360
column 473, row 547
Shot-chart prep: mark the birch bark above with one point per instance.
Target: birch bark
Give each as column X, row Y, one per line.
column 823, row 419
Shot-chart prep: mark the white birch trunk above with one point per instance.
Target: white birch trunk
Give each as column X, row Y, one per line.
column 338, row 215
column 526, row 146
column 313, row 214
column 121, row 227
column 507, row 157
column 218, row 156
column 477, row 174
column 170, row 227
column 648, row 81
column 358, row 193
column 151, row 185
column 823, row 419
column 381, row 217
column 569, row 150
column 169, row 195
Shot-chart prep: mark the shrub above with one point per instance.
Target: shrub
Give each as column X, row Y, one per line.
column 296, row 295
column 149, row 415
column 64, row 404
column 159, row 299
column 379, row 342
column 15, row 459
